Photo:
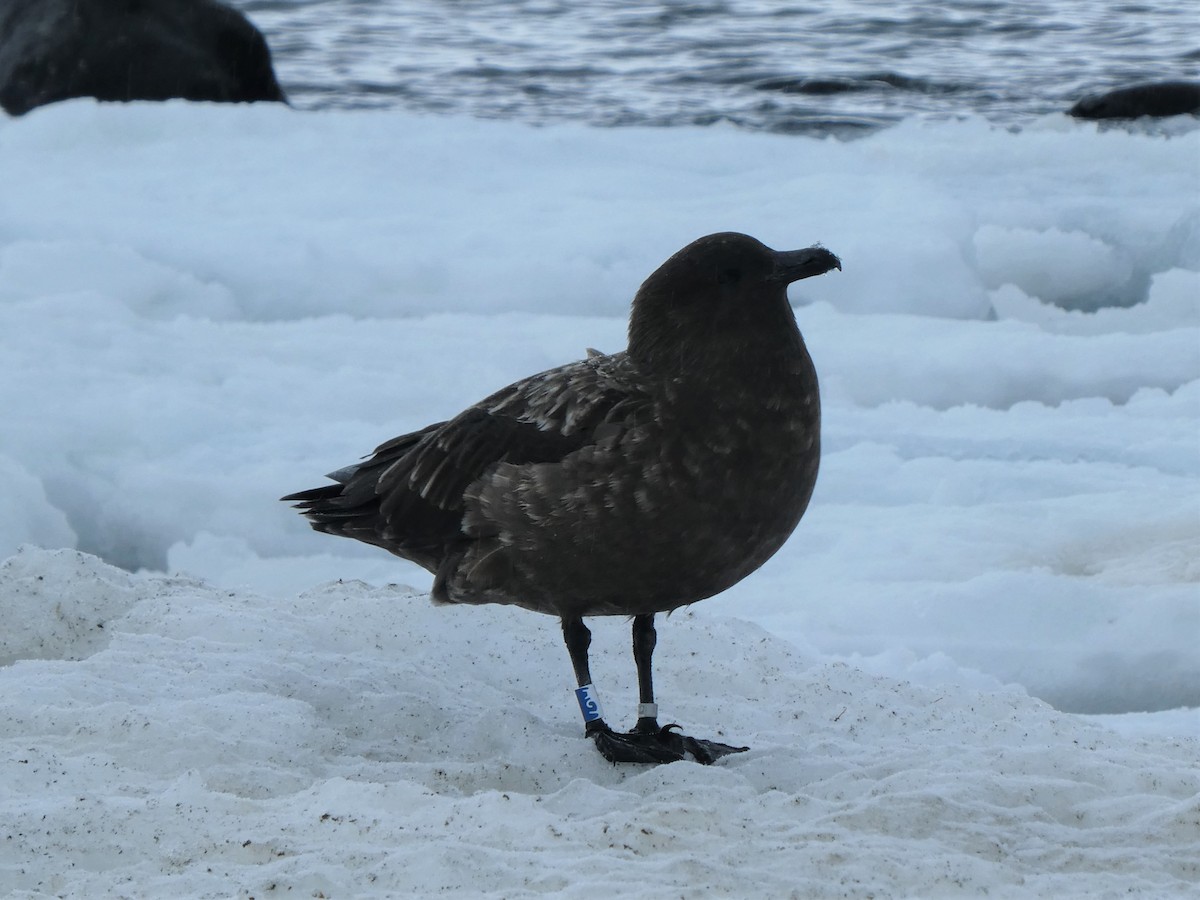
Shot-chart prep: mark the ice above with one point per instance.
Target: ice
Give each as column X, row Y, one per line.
column 974, row 667
column 32, row 519
column 1068, row 269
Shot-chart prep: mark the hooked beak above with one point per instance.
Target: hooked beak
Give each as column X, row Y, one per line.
column 792, row 265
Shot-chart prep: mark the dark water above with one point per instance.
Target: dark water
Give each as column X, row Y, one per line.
column 783, row 67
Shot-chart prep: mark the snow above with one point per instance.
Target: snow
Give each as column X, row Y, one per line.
column 973, row 668
column 357, row 740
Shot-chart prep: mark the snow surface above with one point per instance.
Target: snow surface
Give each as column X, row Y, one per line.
column 165, row 737
column 203, row 308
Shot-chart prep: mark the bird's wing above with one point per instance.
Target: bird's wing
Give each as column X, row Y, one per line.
column 538, row 419
column 407, row 497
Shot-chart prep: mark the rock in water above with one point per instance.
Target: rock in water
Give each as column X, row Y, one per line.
column 1161, row 99
column 130, row 50
column 628, row 484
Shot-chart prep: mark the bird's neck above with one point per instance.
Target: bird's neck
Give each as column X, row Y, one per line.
column 678, row 344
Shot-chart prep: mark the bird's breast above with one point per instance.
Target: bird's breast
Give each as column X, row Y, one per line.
column 723, row 490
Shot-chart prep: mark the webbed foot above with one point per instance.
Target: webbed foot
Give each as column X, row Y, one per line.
column 664, row 745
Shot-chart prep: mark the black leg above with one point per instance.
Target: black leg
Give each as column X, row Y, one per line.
column 578, row 639
column 644, row 639
column 647, row 743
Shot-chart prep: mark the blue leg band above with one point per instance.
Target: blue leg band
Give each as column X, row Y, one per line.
column 589, row 703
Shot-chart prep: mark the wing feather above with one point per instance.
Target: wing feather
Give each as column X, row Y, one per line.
column 407, row 497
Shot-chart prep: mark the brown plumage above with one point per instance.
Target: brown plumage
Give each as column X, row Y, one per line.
column 623, row 484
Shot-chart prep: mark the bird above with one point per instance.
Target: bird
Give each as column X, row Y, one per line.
column 624, row 484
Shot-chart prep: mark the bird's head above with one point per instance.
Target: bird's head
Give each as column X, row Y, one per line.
column 726, row 292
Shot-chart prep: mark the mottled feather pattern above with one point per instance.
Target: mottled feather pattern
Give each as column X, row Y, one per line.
column 539, row 419
column 408, row 497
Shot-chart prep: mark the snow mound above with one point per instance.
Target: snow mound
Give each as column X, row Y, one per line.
column 109, row 274
column 1069, row 269
column 356, row 739
column 59, row 604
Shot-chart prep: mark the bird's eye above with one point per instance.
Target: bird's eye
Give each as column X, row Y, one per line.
column 729, row 276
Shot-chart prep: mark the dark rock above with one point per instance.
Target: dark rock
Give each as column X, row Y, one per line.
column 125, row 50
column 1166, row 98
column 815, row 86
